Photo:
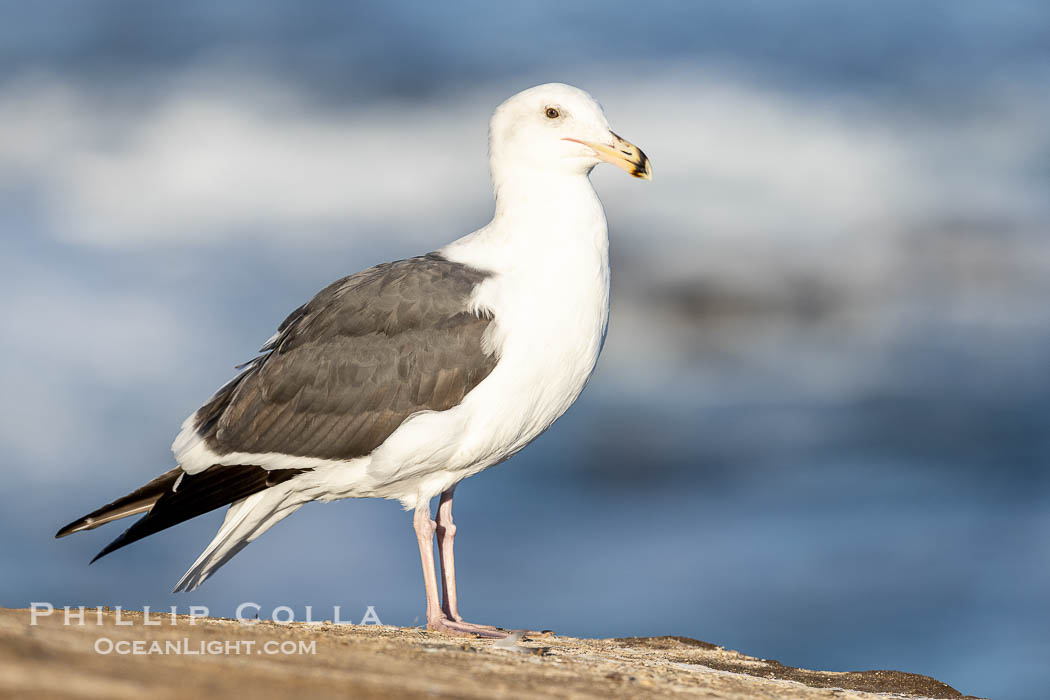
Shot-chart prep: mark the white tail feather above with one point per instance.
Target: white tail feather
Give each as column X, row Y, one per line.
column 245, row 520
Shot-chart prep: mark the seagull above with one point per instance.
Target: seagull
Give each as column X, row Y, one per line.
column 402, row 380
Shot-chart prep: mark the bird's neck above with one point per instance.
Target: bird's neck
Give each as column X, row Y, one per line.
column 541, row 220
column 548, row 212
column 543, row 197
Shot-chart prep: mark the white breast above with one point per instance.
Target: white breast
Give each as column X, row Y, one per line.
column 549, row 297
column 548, row 331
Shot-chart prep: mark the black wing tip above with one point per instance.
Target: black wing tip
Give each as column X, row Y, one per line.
column 201, row 493
column 67, row 530
column 72, row 527
column 140, row 497
column 112, row 546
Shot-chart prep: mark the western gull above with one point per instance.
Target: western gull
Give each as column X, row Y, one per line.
column 401, row 380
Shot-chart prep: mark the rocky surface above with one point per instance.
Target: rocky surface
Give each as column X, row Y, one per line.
column 210, row 657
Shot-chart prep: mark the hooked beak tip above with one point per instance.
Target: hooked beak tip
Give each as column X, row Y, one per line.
column 621, row 153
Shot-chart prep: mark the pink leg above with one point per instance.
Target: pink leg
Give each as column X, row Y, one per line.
column 446, row 536
column 436, row 618
column 424, row 527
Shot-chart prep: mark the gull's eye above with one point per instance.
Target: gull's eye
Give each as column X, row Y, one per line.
column 552, row 113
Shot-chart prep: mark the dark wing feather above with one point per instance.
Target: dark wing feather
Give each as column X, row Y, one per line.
column 342, row 373
column 346, row 369
column 197, row 494
column 137, row 501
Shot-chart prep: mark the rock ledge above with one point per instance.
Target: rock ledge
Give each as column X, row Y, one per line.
column 213, row 657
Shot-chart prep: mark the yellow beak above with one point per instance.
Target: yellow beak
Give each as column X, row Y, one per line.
column 623, row 154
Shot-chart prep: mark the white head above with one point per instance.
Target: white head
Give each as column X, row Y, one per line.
column 558, row 129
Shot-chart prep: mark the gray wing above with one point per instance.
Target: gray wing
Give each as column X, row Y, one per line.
column 347, row 368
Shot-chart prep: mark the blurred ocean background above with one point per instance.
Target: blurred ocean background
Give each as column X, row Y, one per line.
column 820, row 429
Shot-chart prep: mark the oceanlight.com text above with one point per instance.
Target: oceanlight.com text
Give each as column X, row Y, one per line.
column 213, row 647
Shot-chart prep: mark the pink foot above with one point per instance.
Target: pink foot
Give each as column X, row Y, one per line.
column 459, row 628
